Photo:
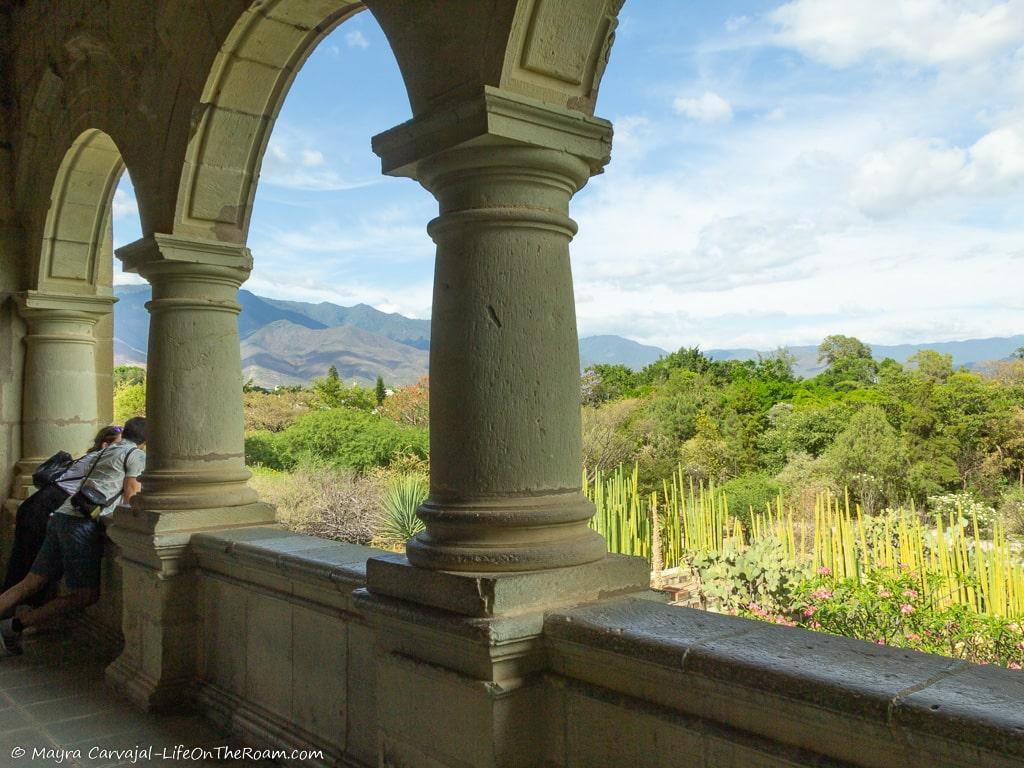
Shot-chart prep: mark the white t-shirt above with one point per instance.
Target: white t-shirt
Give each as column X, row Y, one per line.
column 106, row 471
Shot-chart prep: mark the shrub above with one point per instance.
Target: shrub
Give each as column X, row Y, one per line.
column 760, row 574
column 322, row 501
column 752, row 491
column 129, row 401
column 274, row 411
column 128, row 374
column 261, row 450
column 408, row 405
column 891, row 609
column 1011, row 510
column 964, row 508
column 609, row 437
column 342, row 437
column 399, row 503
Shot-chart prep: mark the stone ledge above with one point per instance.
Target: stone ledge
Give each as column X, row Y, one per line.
column 291, row 555
column 879, row 706
column 486, row 595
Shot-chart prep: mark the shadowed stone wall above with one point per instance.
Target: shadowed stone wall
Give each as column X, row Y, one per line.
column 291, row 658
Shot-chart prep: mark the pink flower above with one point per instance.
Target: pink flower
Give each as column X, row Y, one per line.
column 913, row 637
column 904, row 566
column 825, row 571
column 911, row 593
column 1013, row 665
column 906, row 609
column 821, row 594
column 880, row 642
column 810, row 611
column 884, row 593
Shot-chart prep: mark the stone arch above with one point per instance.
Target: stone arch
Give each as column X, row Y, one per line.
column 243, row 94
column 551, row 50
column 75, row 256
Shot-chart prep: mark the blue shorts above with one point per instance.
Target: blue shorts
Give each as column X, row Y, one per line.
column 73, row 548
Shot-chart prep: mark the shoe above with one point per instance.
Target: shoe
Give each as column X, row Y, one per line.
column 10, row 641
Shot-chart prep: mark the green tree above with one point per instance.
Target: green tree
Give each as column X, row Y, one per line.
column 129, row 401
column 603, row 382
column 128, row 374
column 849, row 361
column 331, row 392
column 870, row 458
column 339, row 437
column 380, row 392
column 933, row 365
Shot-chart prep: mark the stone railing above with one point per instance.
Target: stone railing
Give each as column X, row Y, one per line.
column 289, row 659
column 285, row 658
column 641, row 684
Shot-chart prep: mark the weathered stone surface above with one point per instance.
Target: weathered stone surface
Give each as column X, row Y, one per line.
column 880, row 706
column 486, row 595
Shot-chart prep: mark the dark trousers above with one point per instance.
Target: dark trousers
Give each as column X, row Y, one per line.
column 29, row 531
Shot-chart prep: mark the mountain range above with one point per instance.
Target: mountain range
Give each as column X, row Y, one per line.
column 292, row 342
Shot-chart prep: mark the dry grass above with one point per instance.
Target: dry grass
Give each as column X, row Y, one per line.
column 324, row 502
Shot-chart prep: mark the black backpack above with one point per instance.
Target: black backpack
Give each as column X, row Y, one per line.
column 50, row 470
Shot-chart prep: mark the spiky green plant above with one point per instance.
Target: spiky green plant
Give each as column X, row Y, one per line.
column 955, row 565
column 399, row 503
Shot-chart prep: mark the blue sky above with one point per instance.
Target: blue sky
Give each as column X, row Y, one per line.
column 780, row 172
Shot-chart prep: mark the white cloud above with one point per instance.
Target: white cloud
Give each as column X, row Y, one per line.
column 123, row 204
column 709, row 108
column 735, row 23
column 932, row 32
column 291, row 163
column 356, row 39
column 312, row 157
column 891, row 180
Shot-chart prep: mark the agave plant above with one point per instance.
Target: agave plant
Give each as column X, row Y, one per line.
column 399, row 503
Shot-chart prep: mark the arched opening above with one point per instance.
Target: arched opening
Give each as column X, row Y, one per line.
column 75, row 269
column 243, row 94
column 795, row 181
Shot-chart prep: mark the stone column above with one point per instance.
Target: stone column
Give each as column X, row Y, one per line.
column 195, row 476
column 506, row 524
column 59, row 411
column 504, row 362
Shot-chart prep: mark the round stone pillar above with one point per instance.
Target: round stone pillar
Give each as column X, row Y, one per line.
column 196, row 447
column 505, row 440
column 195, row 477
column 59, row 411
column 504, row 365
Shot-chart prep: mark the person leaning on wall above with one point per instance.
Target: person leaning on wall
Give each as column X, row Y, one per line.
column 34, row 513
column 73, row 547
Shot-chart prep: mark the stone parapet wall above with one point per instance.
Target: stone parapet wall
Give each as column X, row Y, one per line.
column 291, row 659
column 641, row 684
column 286, row 659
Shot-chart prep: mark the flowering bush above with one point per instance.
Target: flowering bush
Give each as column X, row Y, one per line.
column 891, row 609
column 964, row 508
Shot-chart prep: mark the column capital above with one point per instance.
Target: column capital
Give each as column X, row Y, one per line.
column 36, row 304
column 494, row 117
column 159, row 254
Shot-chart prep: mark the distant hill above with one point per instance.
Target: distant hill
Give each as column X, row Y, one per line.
column 616, row 349
column 972, row 353
column 285, row 353
column 405, row 330
column 291, row 342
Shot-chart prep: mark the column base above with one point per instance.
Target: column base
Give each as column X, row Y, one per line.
column 157, row 667
column 485, row 595
column 475, row 643
column 147, row 693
